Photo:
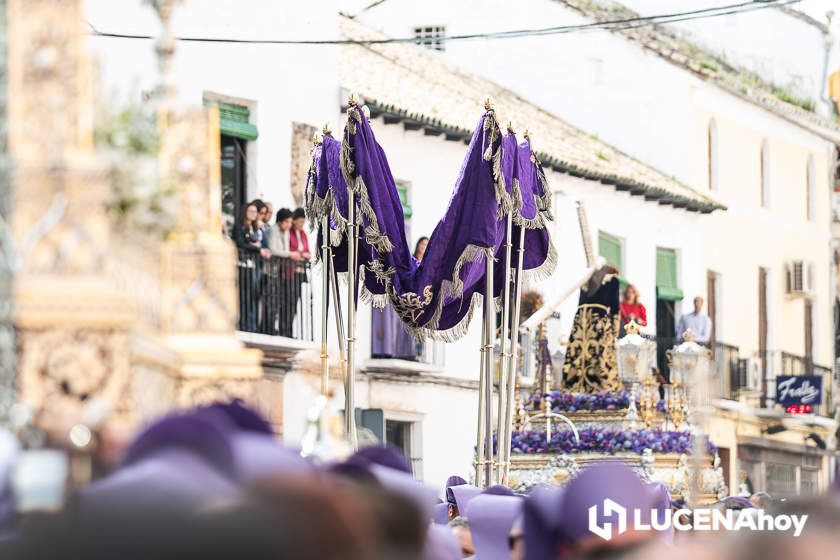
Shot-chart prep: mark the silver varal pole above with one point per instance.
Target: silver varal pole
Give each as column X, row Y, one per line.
column 350, row 381
column 482, row 381
column 339, row 319
column 325, row 288
column 501, row 429
column 514, row 350
column 489, row 336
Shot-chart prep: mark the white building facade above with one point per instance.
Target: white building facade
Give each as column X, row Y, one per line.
column 686, row 121
column 282, row 93
column 728, row 129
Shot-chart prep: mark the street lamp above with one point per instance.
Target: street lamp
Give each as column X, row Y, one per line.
column 635, row 356
column 690, row 366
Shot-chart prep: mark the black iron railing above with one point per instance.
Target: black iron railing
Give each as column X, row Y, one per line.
column 735, row 374
column 275, row 296
column 776, row 363
column 731, row 369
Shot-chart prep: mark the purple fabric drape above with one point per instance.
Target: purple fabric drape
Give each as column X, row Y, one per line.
column 388, row 337
column 434, row 298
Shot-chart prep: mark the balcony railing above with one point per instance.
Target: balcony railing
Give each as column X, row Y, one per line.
column 275, row 296
column 785, row 363
column 731, row 370
column 735, row 375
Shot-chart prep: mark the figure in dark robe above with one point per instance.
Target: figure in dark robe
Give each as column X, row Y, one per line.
column 590, row 364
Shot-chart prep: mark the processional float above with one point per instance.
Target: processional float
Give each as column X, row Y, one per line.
column 352, row 197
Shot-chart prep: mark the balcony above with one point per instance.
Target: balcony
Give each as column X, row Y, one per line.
column 736, row 377
column 275, row 296
column 757, row 375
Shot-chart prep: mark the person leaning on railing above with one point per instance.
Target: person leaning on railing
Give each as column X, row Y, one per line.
column 245, row 235
column 283, row 289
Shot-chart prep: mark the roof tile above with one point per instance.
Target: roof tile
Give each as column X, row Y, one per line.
column 407, row 81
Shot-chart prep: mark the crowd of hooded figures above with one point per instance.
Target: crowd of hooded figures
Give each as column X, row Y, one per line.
column 274, row 265
column 214, row 483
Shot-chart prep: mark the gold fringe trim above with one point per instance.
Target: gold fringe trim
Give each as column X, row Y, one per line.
column 545, row 270
column 537, row 222
column 502, row 196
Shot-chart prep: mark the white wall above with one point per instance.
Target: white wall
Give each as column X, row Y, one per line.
column 281, row 83
column 658, row 113
column 751, row 40
column 641, row 225
column 597, row 81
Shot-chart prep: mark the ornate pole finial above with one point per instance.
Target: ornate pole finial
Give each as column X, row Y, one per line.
column 165, row 49
column 632, row 327
column 510, row 128
column 688, row 335
column 488, row 104
column 527, row 135
column 326, row 129
column 317, row 139
column 353, row 100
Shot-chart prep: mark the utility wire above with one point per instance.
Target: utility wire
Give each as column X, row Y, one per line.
column 609, row 25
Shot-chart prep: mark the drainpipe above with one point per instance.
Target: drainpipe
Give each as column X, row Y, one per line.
column 826, row 106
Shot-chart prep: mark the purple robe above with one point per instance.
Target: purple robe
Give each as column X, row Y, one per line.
column 389, row 339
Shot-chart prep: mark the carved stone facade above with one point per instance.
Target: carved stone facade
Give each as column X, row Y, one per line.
column 301, row 158
column 144, row 325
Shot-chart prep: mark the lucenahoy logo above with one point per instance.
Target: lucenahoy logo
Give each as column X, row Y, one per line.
column 700, row 519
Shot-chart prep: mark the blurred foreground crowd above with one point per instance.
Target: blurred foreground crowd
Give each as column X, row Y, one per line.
column 214, row 483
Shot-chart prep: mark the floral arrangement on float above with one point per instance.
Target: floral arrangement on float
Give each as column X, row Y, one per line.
column 606, row 441
column 562, row 401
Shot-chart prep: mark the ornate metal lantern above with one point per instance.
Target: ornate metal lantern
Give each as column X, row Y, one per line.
column 690, row 362
column 690, row 365
column 635, row 357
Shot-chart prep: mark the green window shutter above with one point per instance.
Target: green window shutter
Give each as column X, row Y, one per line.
column 235, row 120
column 666, row 275
column 402, row 191
column 609, row 247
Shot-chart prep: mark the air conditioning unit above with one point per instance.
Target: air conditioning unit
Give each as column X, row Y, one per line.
column 754, row 373
column 800, row 278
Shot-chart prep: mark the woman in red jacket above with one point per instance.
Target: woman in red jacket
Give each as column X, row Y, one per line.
column 631, row 308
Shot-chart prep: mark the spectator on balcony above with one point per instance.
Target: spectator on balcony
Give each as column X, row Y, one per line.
column 279, row 238
column 262, row 221
column 250, row 266
column 420, row 248
column 288, row 242
column 299, row 241
column 631, row 309
column 281, row 289
column 245, row 232
column 419, row 253
column 699, row 323
column 389, row 337
column 269, row 212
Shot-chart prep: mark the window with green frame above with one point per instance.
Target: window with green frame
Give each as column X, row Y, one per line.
column 667, row 286
column 610, row 248
column 236, row 131
column 235, row 120
column 402, row 191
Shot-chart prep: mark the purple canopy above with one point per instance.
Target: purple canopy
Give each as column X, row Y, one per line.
column 434, row 298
